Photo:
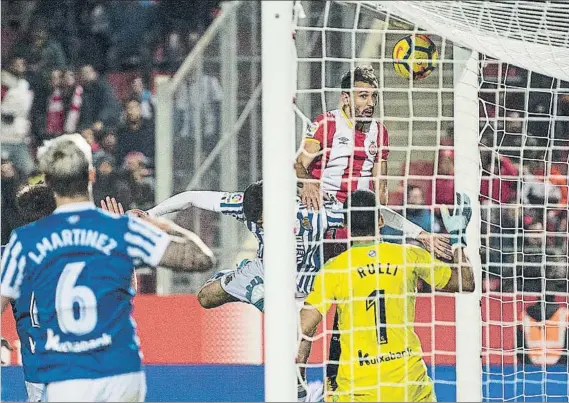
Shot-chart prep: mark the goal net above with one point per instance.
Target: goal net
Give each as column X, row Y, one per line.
column 492, row 119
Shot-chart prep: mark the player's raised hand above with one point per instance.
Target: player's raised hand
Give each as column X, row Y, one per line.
column 310, row 195
column 111, row 205
column 457, row 222
column 439, row 244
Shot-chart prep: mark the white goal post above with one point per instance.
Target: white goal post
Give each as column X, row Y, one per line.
column 279, row 208
column 531, row 35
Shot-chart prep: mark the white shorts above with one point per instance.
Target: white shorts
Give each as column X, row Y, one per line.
column 246, row 282
column 35, row 392
column 118, row 388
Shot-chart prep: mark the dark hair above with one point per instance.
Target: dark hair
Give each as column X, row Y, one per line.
column 72, row 185
column 34, row 202
column 364, row 213
column 253, row 201
column 364, row 74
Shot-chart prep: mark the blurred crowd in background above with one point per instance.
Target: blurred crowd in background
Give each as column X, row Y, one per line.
column 524, row 186
column 87, row 66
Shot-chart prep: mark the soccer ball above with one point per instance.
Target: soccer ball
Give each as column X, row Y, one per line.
column 416, row 54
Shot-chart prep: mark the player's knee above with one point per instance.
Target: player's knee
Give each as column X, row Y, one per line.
column 205, row 297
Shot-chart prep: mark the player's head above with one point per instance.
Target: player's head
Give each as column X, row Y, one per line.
column 362, row 214
column 34, row 202
column 363, row 82
column 253, row 202
column 67, row 164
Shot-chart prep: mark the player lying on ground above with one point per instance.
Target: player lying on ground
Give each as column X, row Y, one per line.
column 246, row 282
column 82, row 257
column 373, row 285
column 32, row 202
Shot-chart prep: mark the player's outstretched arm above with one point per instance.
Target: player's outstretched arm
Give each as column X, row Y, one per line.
column 187, row 251
column 379, row 175
column 205, row 200
column 309, row 187
column 462, row 277
column 310, row 318
column 437, row 243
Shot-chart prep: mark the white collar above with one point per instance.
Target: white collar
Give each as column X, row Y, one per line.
column 74, row 207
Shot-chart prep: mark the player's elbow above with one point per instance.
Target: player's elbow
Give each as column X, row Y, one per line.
column 204, row 261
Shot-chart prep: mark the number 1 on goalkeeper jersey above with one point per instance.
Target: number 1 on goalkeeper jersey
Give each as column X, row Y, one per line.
column 373, row 285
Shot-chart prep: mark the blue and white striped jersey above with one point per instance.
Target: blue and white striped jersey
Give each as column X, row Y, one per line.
column 309, row 230
column 79, row 262
column 21, row 309
column 232, row 204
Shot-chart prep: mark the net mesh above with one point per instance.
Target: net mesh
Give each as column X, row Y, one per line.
column 531, row 34
column 523, row 144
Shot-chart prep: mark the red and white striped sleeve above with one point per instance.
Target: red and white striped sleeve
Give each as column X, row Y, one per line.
column 322, row 130
column 383, row 141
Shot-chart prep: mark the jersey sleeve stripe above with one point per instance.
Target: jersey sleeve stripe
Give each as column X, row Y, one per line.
column 10, row 262
column 18, row 279
column 151, row 254
column 137, row 253
column 11, row 272
column 141, row 228
column 158, row 251
column 139, row 242
column 231, row 208
column 6, row 250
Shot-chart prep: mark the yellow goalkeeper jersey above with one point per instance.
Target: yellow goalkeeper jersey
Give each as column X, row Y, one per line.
column 374, row 288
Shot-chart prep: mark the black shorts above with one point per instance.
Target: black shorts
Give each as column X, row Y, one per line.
column 331, row 250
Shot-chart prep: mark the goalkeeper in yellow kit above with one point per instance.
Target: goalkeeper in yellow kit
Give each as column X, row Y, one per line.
column 373, row 285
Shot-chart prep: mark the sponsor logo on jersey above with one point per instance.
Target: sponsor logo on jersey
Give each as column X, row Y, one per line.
column 372, row 253
column 365, row 359
column 373, row 148
column 228, row 279
column 306, row 224
column 74, row 219
column 236, row 198
column 343, row 141
column 312, row 130
column 53, row 343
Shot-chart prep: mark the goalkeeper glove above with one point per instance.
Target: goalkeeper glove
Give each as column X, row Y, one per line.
column 457, row 222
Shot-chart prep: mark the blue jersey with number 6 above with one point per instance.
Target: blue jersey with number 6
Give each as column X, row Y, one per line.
column 79, row 262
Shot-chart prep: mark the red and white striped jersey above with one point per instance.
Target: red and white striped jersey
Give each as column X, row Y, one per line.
column 348, row 156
